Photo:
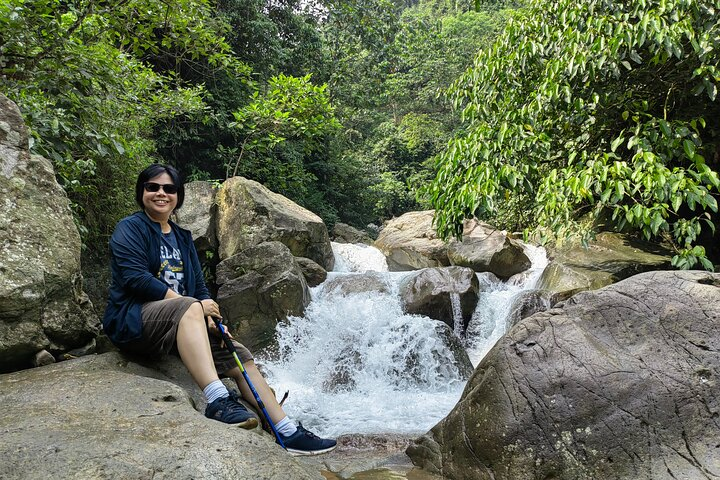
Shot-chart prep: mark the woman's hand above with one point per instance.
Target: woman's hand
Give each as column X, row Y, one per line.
column 214, row 331
column 210, row 308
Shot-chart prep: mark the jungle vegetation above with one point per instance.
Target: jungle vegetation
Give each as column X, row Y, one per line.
column 549, row 116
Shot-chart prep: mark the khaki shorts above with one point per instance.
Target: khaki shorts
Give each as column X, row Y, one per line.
column 160, row 323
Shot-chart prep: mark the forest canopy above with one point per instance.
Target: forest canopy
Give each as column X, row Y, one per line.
column 599, row 115
column 588, row 115
column 338, row 104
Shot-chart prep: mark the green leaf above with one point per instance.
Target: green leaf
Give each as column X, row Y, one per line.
column 707, row 264
column 616, row 143
column 676, row 202
column 689, row 148
column 665, row 127
column 657, row 221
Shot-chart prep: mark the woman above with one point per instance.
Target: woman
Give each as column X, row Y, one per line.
column 159, row 304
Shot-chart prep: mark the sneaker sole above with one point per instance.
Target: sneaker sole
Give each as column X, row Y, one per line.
column 303, row 453
column 248, row 424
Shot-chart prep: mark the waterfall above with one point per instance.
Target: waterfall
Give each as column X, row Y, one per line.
column 489, row 321
column 355, row 363
column 458, row 322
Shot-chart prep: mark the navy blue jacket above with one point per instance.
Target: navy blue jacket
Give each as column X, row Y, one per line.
column 134, row 263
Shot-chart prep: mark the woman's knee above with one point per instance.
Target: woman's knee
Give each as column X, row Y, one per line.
column 194, row 313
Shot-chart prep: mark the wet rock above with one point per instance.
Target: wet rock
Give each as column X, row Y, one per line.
column 527, row 303
column 460, row 357
column 259, row 287
column 616, row 383
column 430, row 292
column 345, row 365
column 611, row 257
column 357, row 283
column 314, row 273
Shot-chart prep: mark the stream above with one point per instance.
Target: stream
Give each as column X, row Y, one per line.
column 356, row 364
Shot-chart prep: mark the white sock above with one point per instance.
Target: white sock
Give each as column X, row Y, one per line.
column 286, row 427
column 215, row 390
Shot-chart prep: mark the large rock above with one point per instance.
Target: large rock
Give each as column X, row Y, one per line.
column 486, row 249
column 409, row 242
column 430, row 292
column 344, row 233
column 106, row 417
column 42, row 304
column 609, row 258
column 526, row 303
column 249, row 214
column 314, row 274
column 198, row 215
column 357, row 283
column 259, row 287
column 618, row 383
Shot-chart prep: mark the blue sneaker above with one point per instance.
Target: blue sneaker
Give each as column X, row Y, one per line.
column 230, row 410
column 304, row 442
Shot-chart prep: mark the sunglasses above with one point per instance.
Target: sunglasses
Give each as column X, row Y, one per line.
column 168, row 188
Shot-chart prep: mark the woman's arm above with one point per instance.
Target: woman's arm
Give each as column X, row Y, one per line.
column 129, row 247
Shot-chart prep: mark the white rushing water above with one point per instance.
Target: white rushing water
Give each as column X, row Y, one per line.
column 355, row 363
column 490, row 319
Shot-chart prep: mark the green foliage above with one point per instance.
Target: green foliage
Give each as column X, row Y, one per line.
column 607, row 111
column 290, row 120
column 77, row 71
column 390, row 67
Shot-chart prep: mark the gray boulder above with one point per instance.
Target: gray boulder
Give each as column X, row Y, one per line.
column 609, row 258
column 409, row 242
column 259, row 287
column 618, row 383
column 314, row 274
column 486, row 249
column 107, row 417
column 357, row 283
column 198, row 215
column 429, row 292
column 460, row 357
column 527, row 303
column 249, row 214
column 42, row 303
column 344, row 233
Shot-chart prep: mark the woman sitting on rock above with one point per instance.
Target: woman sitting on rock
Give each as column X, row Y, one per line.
column 159, row 303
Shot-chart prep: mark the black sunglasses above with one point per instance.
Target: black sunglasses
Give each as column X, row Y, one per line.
column 168, row 188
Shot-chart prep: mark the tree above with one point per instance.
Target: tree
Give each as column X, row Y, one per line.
column 78, row 71
column 279, row 131
column 601, row 112
column 392, row 65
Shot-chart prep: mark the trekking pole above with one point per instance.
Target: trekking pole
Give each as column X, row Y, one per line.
column 231, row 348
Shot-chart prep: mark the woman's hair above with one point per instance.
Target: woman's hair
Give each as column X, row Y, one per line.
column 153, row 171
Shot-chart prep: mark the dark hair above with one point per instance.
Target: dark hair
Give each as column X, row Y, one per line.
column 153, row 171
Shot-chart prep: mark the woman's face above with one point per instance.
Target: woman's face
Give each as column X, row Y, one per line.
column 160, row 204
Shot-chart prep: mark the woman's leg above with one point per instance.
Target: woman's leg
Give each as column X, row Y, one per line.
column 263, row 389
column 194, row 348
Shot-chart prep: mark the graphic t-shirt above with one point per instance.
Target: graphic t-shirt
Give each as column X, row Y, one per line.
column 171, row 264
